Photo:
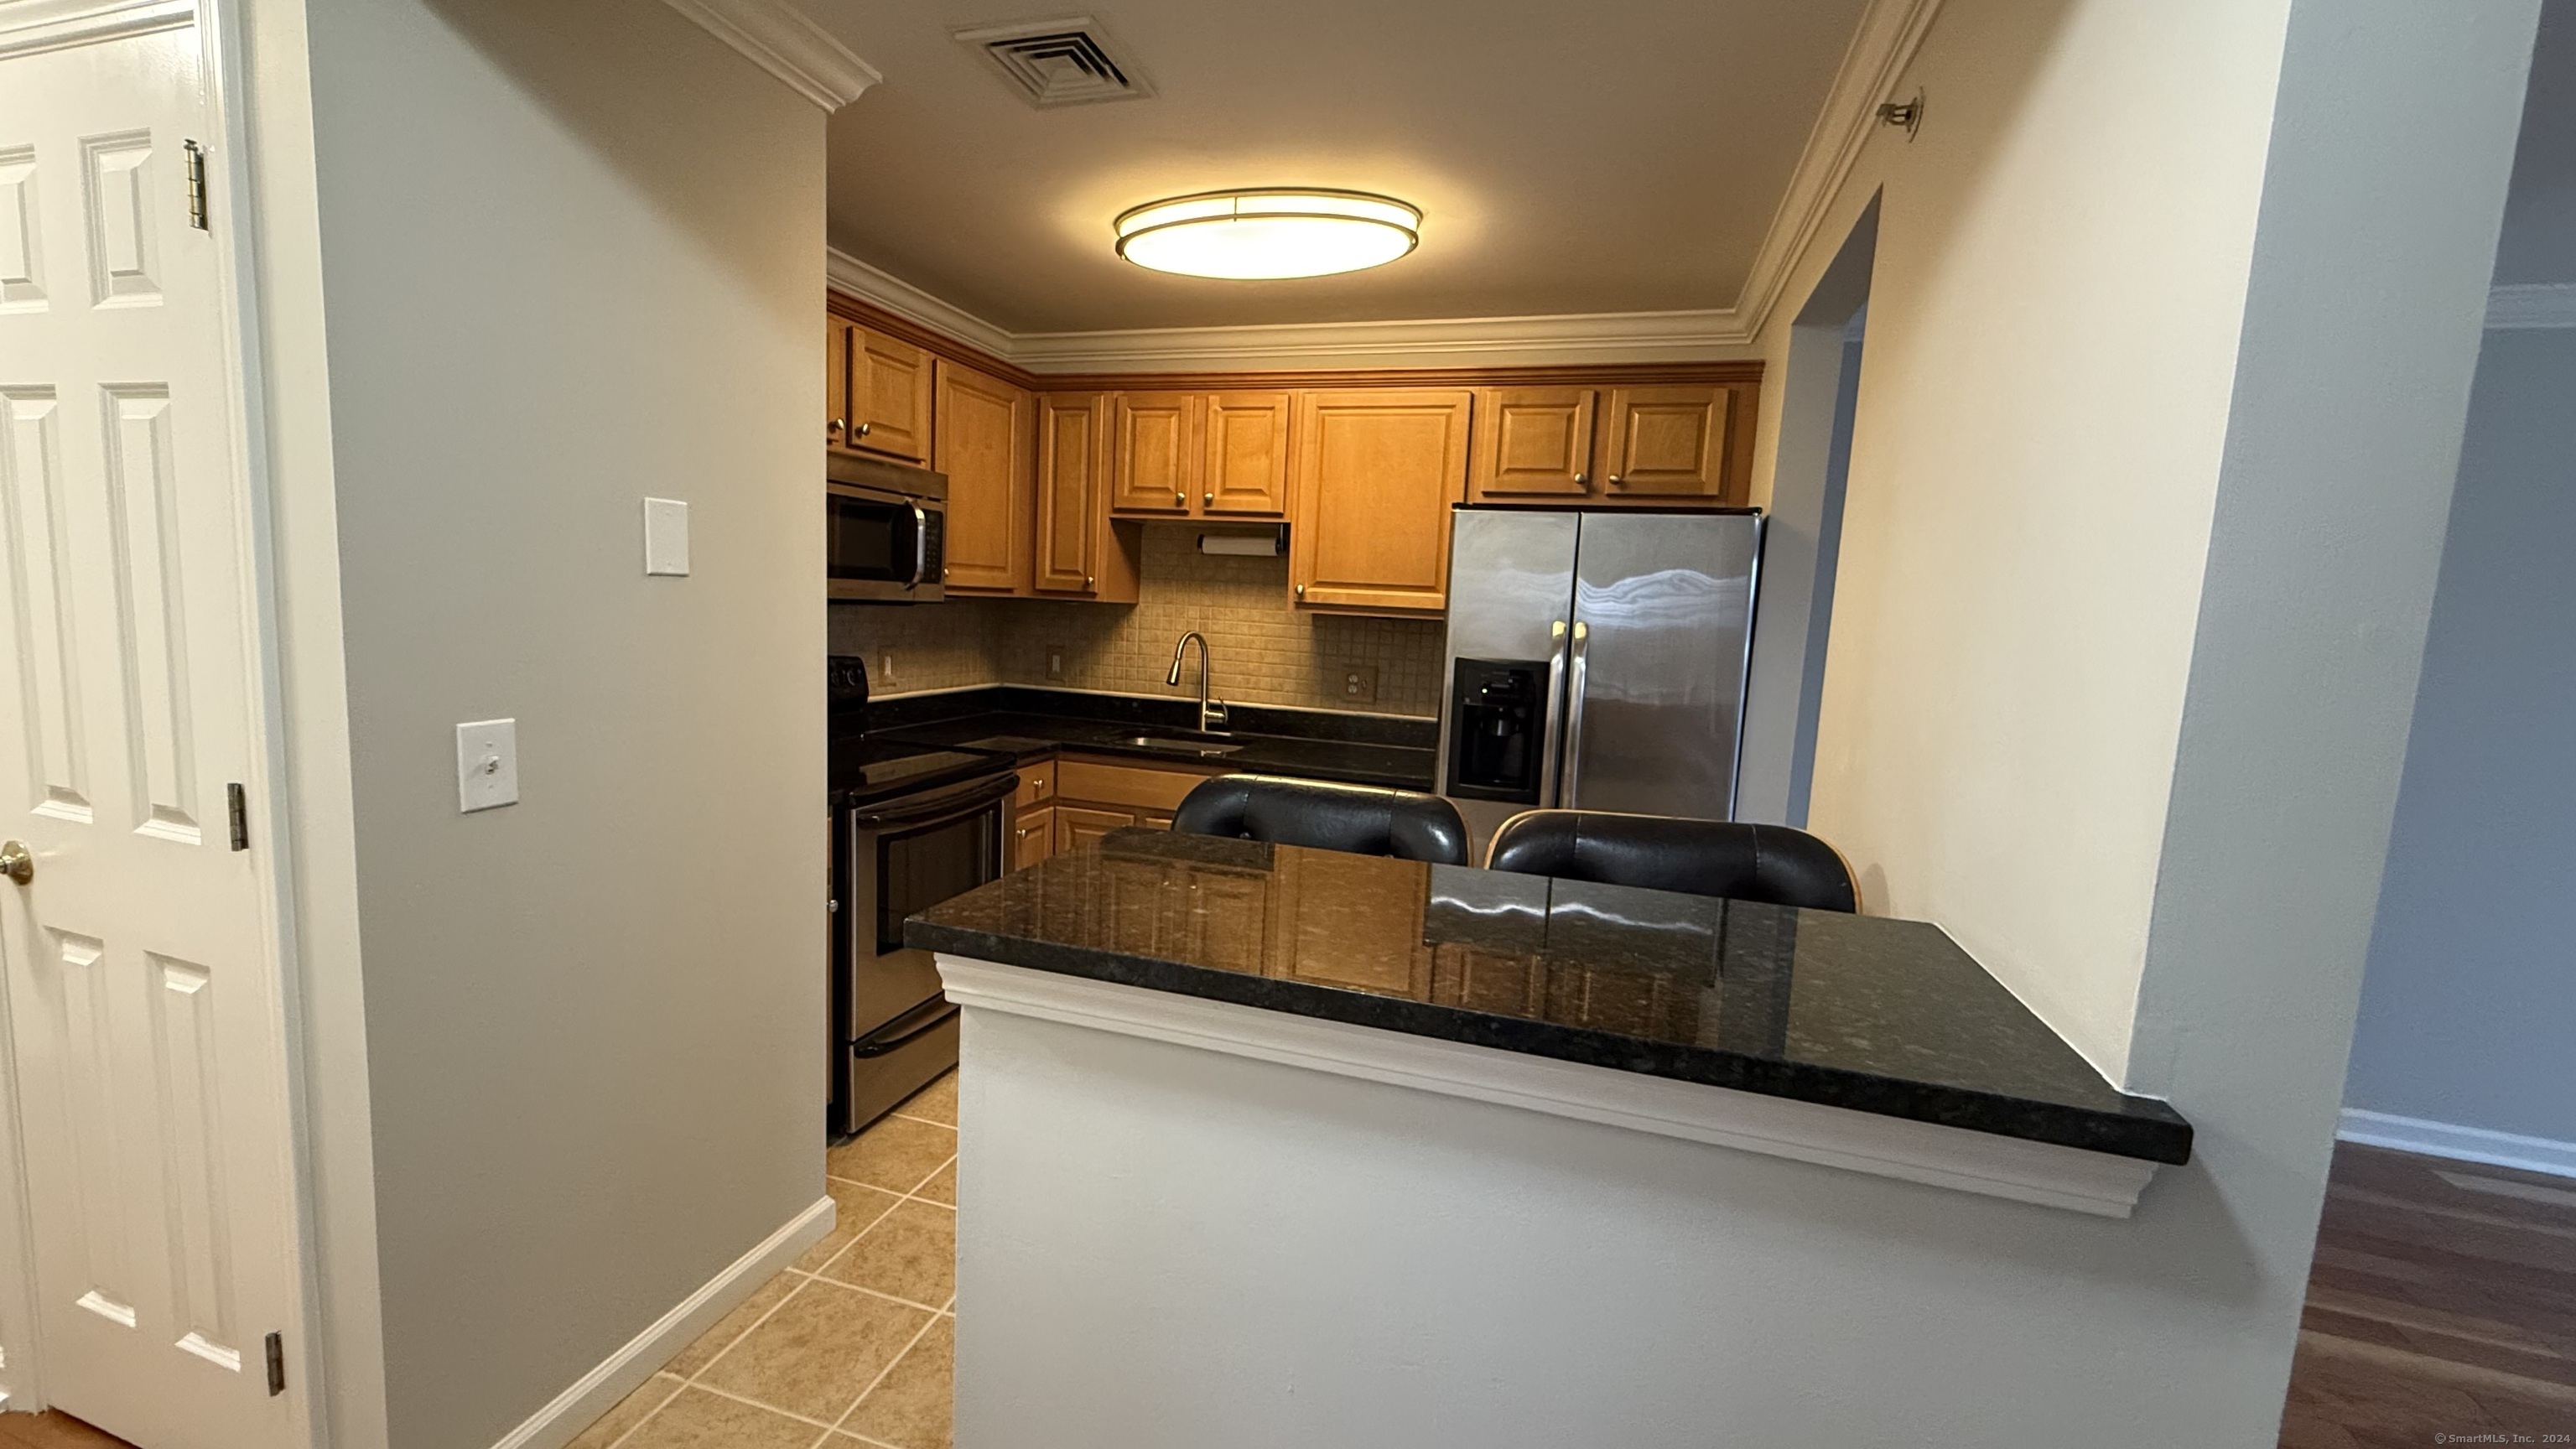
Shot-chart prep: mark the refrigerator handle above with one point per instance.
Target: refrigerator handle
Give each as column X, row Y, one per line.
column 1572, row 769
column 1554, row 729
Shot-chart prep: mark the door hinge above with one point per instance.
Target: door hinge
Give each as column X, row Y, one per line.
column 196, row 185
column 238, row 804
column 276, row 1364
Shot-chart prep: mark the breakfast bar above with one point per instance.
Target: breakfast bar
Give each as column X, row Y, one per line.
column 1266, row 1145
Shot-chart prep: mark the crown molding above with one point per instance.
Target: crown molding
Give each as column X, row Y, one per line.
column 29, row 26
column 2530, row 305
column 783, row 42
column 1882, row 47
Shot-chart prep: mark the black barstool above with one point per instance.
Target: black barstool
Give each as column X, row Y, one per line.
column 1359, row 819
column 1770, row 863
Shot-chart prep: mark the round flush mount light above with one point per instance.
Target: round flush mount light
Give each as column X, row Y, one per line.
column 1268, row 232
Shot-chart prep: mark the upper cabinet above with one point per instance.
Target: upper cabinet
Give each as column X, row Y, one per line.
column 1153, row 452
column 1376, row 472
column 1079, row 552
column 876, row 393
column 986, row 442
column 1200, row 455
column 1659, row 445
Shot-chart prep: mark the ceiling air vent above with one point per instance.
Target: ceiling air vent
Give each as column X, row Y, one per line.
column 1066, row 62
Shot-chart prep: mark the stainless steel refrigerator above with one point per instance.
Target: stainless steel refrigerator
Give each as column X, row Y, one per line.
column 1596, row 661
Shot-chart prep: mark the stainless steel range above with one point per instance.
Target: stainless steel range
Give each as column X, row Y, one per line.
column 912, row 825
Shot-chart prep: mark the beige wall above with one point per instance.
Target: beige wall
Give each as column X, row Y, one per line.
column 2051, row 341
column 568, row 257
column 1263, row 650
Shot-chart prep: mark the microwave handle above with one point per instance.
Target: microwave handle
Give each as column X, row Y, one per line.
column 920, row 546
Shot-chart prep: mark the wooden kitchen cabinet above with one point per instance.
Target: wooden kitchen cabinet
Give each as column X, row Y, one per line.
column 986, row 442
column 1032, row 836
column 1669, row 441
column 1079, row 825
column 1153, row 453
column 1533, row 444
column 1080, row 552
column 890, row 397
column 1376, row 471
column 840, row 337
column 1245, row 474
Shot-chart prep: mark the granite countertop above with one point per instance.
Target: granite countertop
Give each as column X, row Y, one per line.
column 1031, row 723
column 1860, row 1012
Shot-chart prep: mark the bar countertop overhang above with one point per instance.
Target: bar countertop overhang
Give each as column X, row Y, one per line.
column 1864, row 1013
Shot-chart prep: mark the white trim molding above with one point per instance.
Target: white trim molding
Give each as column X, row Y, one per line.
column 625, row 1371
column 1882, row 46
column 786, row 43
column 2032, row 1172
column 2459, row 1144
column 2526, row 306
column 28, row 26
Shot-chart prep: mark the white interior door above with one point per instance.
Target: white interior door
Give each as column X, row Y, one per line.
column 142, row 992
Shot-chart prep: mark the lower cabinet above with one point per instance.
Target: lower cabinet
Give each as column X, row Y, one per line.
column 1066, row 804
column 1032, row 836
column 1079, row 825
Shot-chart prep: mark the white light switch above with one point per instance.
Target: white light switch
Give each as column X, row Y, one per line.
column 487, row 764
column 666, row 536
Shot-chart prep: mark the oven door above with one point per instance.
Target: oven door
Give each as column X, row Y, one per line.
column 893, row 1030
column 883, row 545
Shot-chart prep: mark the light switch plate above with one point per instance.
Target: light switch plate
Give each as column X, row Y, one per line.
column 666, row 537
column 487, row 764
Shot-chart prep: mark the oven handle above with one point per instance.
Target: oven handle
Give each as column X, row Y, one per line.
column 878, row 1044
column 920, row 546
column 941, row 810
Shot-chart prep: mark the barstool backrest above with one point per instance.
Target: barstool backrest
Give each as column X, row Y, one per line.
column 1360, row 819
column 1772, row 863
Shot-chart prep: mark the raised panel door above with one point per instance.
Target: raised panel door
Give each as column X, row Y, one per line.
column 1079, row 825
column 1033, row 837
column 1533, row 443
column 1246, row 471
column 1068, row 485
column 839, row 337
column 890, row 386
column 985, row 444
column 1376, row 473
column 1668, row 441
column 1153, row 453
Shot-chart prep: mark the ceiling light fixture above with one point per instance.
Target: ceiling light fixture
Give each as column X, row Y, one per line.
column 1278, row 231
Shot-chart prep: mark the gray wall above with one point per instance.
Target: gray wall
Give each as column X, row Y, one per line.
column 2471, row 994
column 572, row 255
column 2539, row 242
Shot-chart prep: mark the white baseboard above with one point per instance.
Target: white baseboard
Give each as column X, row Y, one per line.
column 624, row 1371
column 2460, row 1144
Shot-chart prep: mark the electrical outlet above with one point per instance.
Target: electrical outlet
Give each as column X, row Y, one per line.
column 885, row 667
column 1359, row 686
column 1055, row 661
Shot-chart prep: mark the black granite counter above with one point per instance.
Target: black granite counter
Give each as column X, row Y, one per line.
column 1860, row 1012
column 1032, row 723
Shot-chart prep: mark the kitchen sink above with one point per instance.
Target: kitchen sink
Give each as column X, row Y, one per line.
column 1179, row 745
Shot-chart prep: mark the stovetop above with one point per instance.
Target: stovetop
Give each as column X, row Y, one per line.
column 865, row 771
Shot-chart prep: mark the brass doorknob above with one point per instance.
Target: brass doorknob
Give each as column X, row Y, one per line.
column 17, row 862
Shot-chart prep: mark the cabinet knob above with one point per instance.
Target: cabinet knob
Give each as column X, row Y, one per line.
column 1582, row 480
column 1301, row 591
column 1086, row 581
column 1180, row 499
column 864, row 427
column 1614, row 480
column 1211, row 499
column 838, row 424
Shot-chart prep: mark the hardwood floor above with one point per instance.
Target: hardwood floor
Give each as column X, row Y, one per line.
column 2443, row 1302
column 51, row 1430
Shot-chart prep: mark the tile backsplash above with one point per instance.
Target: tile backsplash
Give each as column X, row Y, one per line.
column 1263, row 650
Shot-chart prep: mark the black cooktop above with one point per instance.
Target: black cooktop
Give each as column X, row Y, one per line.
column 866, row 771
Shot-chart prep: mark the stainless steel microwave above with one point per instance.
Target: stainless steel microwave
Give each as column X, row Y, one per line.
column 885, row 530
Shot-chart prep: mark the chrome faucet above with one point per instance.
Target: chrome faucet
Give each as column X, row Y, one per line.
column 1211, row 713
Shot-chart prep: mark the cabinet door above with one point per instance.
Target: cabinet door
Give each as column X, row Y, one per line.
column 890, row 397
column 1377, row 471
column 1153, row 453
column 1033, row 837
column 1079, row 825
column 985, row 443
column 838, row 339
column 1246, row 472
column 1668, row 441
column 1533, row 443
column 1070, row 445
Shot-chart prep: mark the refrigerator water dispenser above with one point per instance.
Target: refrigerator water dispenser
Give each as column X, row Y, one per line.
column 1500, row 709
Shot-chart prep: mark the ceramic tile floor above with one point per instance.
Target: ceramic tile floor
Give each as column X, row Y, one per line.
column 851, row 1345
